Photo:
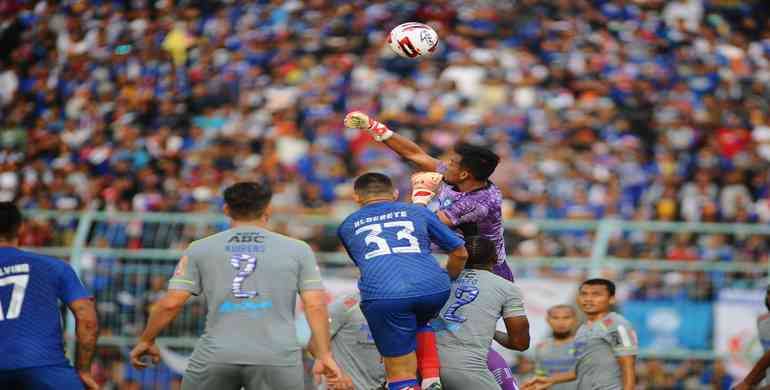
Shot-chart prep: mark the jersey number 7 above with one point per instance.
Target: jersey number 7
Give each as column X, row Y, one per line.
column 19, row 283
column 383, row 247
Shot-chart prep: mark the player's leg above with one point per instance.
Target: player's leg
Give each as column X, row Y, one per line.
column 211, row 376
column 394, row 326
column 456, row 379
column 428, row 362
column 500, row 370
column 50, row 377
column 273, row 377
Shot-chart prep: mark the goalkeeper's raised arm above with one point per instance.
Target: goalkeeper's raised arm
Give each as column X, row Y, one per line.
column 401, row 145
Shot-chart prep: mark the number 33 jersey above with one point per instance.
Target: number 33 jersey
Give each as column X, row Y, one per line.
column 250, row 278
column 390, row 243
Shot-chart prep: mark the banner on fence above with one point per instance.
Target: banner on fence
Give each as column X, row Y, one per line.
column 664, row 325
column 735, row 331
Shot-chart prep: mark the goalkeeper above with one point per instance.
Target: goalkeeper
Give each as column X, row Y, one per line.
column 467, row 200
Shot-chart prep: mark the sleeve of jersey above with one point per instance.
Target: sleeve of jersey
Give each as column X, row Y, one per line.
column 623, row 339
column 70, row 287
column 514, row 302
column 309, row 273
column 187, row 275
column 465, row 211
column 339, row 313
column 441, row 234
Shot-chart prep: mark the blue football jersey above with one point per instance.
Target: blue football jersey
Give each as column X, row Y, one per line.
column 390, row 242
column 31, row 287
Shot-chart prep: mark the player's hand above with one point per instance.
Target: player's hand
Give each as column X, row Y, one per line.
column 343, row 382
column 424, row 186
column 538, row 383
column 144, row 348
column 742, row 386
column 359, row 120
column 88, row 380
column 326, row 366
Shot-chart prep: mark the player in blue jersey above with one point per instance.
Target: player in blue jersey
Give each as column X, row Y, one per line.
column 402, row 286
column 465, row 198
column 31, row 344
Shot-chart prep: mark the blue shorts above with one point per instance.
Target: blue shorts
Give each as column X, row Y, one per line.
column 41, row 378
column 394, row 322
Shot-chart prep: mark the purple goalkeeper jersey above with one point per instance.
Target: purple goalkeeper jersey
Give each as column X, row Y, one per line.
column 476, row 212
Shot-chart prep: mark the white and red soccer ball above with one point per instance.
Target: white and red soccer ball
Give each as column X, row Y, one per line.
column 413, row 40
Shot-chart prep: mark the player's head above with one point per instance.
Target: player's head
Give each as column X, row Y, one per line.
column 247, row 201
column 562, row 320
column 373, row 186
column 10, row 222
column 596, row 296
column 482, row 253
column 470, row 162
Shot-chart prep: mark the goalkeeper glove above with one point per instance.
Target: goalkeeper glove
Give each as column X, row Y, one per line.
column 424, row 186
column 359, row 120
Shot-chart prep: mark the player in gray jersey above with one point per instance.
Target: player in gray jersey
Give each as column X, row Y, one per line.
column 761, row 369
column 466, row 325
column 353, row 345
column 557, row 353
column 250, row 278
column 605, row 346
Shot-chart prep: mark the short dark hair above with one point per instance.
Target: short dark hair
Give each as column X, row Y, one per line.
column 372, row 183
column 247, row 200
column 600, row 282
column 482, row 252
column 479, row 161
column 10, row 220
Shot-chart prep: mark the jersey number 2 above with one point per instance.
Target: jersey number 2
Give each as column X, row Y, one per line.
column 463, row 296
column 244, row 271
column 383, row 248
column 19, row 283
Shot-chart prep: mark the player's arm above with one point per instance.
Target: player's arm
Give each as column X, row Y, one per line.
column 456, row 262
column 628, row 371
column 516, row 323
column 72, row 292
column 163, row 312
column 625, row 348
column 548, row 381
column 446, row 239
column 517, row 336
column 399, row 144
column 185, row 283
column 86, row 331
column 756, row 374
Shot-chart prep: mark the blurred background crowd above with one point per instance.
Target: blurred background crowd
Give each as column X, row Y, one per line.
column 631, row 109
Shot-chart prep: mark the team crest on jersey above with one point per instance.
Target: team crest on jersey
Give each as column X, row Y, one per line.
column 181, row 268
column 446, row 203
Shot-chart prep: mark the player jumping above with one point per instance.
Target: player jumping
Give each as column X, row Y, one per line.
column 605, row 345
column 250, row 277
column 467, row 200
column 31, row 353
column 402, row 286
column 466, row 326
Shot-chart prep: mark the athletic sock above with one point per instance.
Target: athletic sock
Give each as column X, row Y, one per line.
column 428, row 363
column 408, row 384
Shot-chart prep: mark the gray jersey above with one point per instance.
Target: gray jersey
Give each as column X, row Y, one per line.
column 467, row 322
column 352, row 344
column 250, row 278
column 763, row 328
column 552, row 358
column 597, row 347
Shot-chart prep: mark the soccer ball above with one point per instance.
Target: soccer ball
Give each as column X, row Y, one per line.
column 412, row 40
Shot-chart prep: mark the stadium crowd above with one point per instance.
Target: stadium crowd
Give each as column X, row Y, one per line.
column 635, row 109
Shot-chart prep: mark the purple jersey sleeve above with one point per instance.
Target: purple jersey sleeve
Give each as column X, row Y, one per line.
column 70, row 287
column 441, row 234
column 466, row 210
